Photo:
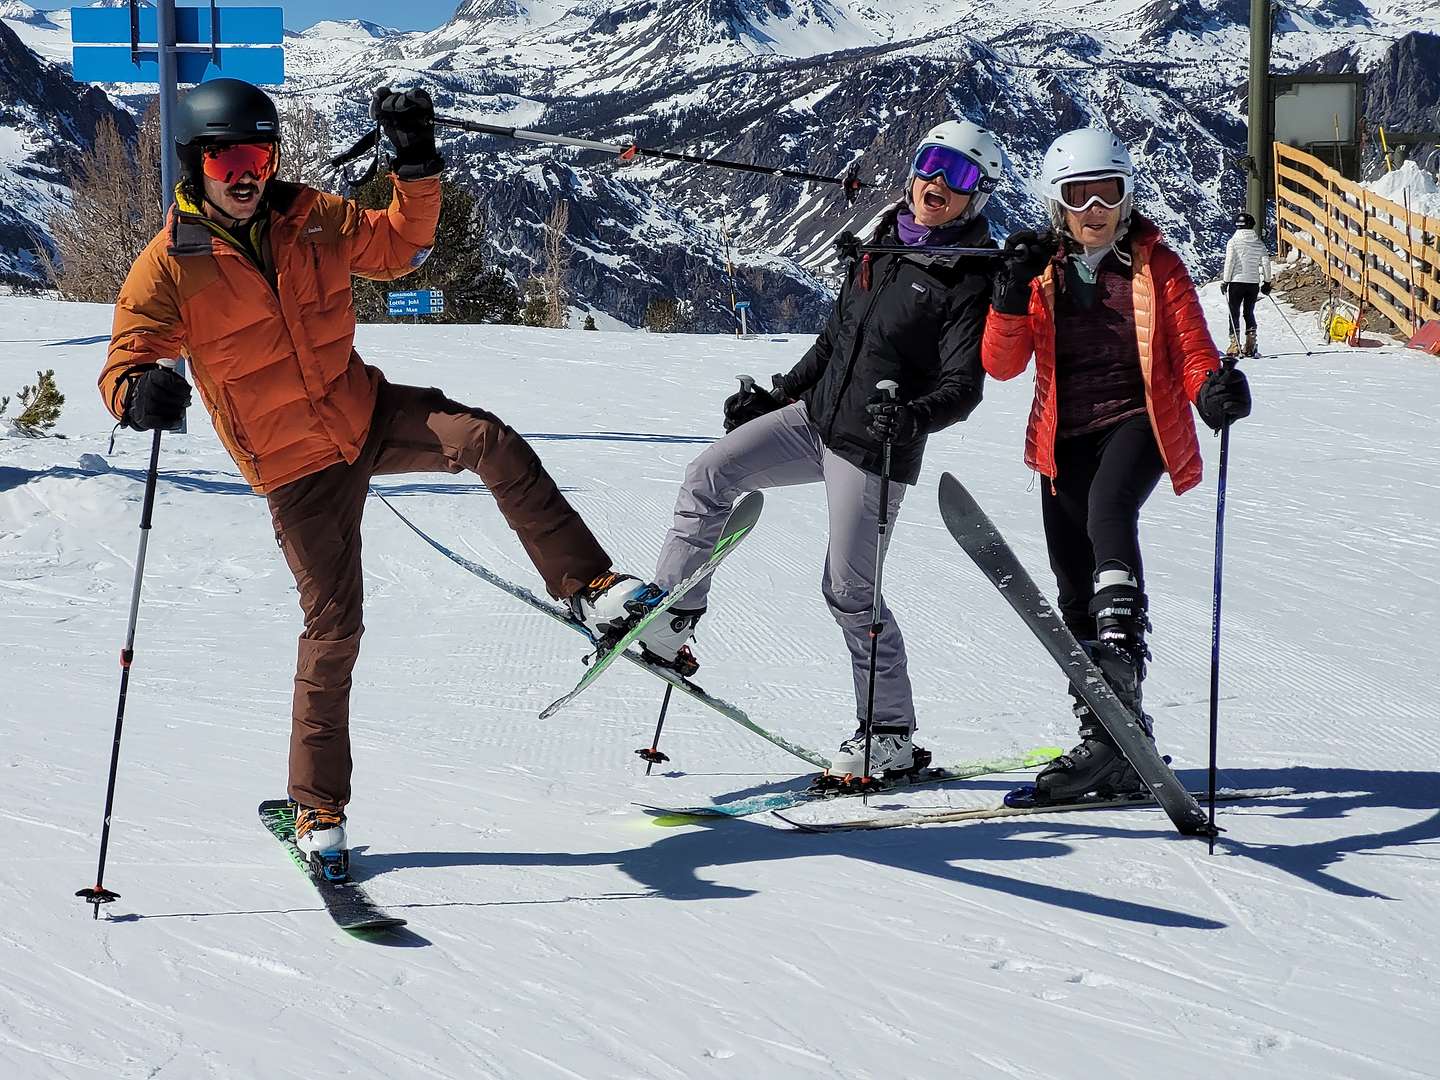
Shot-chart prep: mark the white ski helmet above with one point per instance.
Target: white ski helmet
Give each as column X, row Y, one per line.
column 977, row 144
column 1087, row 153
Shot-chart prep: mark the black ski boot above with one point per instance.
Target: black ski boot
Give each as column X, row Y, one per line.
column 1096, row 765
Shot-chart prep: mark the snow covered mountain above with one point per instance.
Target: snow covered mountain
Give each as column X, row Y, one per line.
column 819, row 84
column 44, row 118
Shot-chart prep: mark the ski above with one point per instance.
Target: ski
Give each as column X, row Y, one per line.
column 900, row 818
column 783, row 800
column 346, row 901
column 660, row 671
column 738, row 525
column 982, row 541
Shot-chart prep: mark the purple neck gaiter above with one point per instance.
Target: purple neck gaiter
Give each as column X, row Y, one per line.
column 911, row 231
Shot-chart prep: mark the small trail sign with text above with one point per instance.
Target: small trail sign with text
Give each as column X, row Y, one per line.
column 420, row 302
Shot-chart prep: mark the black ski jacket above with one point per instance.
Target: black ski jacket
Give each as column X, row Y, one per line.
column 915, row 318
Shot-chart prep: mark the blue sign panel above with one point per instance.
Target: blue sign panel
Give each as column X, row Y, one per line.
column 422, row 302
column 238, row 26
column 112, row 63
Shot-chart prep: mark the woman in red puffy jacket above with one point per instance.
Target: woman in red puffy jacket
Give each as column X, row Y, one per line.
column 1121, row 351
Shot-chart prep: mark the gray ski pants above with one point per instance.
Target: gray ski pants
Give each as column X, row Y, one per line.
column 783, row 449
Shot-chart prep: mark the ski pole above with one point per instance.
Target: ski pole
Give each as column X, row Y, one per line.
column 99, row 894
column 1308, row 350
column 890, row 388
column 652, row 753
column 849, row 181
column 1227, row 364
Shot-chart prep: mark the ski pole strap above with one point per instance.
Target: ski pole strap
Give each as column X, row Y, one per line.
column 364, row 143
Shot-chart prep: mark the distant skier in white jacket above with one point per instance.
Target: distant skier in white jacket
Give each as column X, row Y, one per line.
column 1245, row 280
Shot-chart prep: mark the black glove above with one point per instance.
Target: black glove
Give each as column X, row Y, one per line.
column 748, row 403
column 1265, row 288
column 1025, row 257
column 1223, row 398
column 847, row 247
column 892, row 421
column 1224, row 288
column 409, row 122
column 157, row 398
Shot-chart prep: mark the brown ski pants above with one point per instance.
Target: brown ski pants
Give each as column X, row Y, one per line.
column 317, row 524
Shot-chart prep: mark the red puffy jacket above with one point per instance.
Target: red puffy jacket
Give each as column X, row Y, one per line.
column 1176, row 353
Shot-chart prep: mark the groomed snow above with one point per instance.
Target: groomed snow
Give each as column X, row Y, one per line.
column 559, row 932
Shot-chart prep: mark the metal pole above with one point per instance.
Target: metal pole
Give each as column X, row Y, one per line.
column 890, row 388
column 165, row 54
column 1260, row 138
column 99, row 894
column 1215, row 618
column 169, row 162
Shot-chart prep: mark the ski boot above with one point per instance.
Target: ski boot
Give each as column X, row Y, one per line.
column 893, row 756
column 1233, row 349
column 610, row 603
column 1096, row 765
column 320, row 836
column 665, row 641
column 1252, row 347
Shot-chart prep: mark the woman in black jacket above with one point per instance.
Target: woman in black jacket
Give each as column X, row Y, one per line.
column 916, row 317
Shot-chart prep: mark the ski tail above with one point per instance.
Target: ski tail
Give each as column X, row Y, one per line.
column 977, row 535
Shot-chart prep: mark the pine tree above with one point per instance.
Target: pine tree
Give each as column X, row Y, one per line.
column 536, row 307
column 475, row 292
column 41, row 405
column 590, row 323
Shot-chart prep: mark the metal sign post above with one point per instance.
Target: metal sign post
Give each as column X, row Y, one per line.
column 743, row 307
column 168, row 45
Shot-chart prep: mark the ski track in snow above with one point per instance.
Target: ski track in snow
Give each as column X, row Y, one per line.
column 556, row 931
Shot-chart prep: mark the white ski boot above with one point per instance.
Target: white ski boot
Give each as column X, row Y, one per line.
column 892, row 751
column 319, row 830
column 603, row 606
column 666, row 640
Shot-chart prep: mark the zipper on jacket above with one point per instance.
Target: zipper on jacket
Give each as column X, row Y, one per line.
column 889, row 275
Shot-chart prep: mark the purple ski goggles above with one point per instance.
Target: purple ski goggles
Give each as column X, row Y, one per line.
column 963, row 175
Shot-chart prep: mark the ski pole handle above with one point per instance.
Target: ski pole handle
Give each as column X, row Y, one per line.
column 747, row 383
column 889, row 387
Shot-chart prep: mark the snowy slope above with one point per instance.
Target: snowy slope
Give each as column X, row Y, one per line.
column 558, row 932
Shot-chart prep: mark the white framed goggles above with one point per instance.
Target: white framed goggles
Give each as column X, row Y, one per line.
column 1080, row 194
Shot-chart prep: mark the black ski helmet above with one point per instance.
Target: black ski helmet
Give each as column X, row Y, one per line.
column 226, row 111
column 1244, row 221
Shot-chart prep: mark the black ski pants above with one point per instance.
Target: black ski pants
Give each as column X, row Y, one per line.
column 1242, row 296
column 1092, row 511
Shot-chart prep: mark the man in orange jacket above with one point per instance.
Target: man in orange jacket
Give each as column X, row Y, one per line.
column 250, row 279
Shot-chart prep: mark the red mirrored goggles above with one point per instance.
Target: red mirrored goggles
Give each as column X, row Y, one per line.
column 229, row 163
column 1108, row 191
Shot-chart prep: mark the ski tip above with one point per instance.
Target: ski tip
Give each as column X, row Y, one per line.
column 675, row 821
column 1042, row 755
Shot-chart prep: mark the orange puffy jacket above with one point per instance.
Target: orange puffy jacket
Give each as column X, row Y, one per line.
column 271, row 349
column 1176, row 353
